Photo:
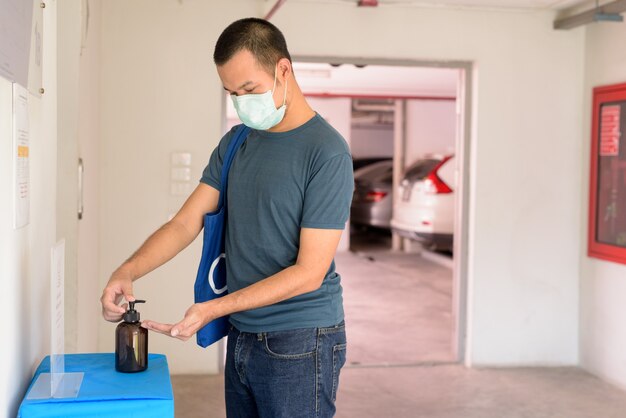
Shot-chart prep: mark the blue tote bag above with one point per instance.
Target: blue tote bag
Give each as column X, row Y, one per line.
column 211, row 278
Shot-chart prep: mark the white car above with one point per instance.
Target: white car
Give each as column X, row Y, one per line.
column 424, row 210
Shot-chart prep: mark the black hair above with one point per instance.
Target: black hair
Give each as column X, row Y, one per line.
column 258, row 36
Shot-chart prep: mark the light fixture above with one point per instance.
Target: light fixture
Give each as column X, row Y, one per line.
column 610, row 12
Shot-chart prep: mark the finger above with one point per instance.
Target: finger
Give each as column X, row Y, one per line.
column 111, row 318
column 108, row 304
column 158, row 327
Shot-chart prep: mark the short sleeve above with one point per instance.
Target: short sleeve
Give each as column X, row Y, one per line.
column 328, row 194
column 212, row 174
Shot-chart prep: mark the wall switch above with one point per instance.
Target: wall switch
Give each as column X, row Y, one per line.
column 181, row 159
column 180, row 174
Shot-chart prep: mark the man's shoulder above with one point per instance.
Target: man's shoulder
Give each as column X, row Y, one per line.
column 324, row 137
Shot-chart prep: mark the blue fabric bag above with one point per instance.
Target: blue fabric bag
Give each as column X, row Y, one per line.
column 211, row 278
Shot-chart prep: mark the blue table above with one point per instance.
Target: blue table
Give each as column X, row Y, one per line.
column 105, row 392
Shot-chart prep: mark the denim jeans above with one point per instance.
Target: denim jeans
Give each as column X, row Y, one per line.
column 284, row 374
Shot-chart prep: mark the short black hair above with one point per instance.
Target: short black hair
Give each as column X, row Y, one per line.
column 264, row 40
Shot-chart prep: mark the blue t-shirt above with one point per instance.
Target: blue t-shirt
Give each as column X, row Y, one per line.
column 280, row 182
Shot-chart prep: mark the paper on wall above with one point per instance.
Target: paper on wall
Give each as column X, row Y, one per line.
column 21, row 157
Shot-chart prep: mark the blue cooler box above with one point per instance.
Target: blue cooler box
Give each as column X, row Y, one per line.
column 105, row 392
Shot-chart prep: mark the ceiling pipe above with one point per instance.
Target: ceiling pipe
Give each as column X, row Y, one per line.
column 274, row 9
column 609, row 12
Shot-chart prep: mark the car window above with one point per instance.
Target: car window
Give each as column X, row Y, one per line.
column 420, row 169
column 374, row 172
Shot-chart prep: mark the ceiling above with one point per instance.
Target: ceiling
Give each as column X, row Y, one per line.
column 516, row 4
column 375, row 80
column 491, row 4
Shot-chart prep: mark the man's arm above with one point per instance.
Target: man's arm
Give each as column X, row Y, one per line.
column 317, row 249
column 159, row 248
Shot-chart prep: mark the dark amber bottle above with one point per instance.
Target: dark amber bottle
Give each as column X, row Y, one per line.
column 131, row 342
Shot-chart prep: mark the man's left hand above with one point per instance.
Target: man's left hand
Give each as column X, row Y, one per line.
column 196, row 317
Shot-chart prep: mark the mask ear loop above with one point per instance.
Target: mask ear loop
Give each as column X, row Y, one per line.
column 274, row 88
column 285, row 95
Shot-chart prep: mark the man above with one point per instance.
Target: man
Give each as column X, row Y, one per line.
column 289, row 193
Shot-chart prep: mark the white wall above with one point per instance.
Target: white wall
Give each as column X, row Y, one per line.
column 25, row 253
column 603, row 283
column 523, row 300
column 88, row 283
column 162, row 95
column 372, row 141
column 159, row 94
column 430, row 128
column 68, row 32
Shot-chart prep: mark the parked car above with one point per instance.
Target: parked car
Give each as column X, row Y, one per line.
column 358, row 163
column 425, row 210
column 373, row 195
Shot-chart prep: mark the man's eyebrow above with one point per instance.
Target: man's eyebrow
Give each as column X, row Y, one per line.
column 242, row 86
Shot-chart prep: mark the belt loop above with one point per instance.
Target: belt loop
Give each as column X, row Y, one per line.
column 259, row 336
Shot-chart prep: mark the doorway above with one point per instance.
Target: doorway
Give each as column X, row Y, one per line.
column 395, row 256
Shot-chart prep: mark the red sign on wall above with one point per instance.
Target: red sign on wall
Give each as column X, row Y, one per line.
column 609, row 131
column 607, row 191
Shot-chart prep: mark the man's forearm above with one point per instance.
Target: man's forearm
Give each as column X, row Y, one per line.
column 159, row 248
column 288, row 283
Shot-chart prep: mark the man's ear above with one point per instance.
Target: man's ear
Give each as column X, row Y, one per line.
column 284, row 69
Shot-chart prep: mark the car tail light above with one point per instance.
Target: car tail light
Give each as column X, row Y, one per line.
column 433, row 184
column 375, row 195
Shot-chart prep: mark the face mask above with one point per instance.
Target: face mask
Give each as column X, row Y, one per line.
column 258, row 111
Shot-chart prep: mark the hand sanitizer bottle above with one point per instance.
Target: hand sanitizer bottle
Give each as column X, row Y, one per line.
column 131, row 342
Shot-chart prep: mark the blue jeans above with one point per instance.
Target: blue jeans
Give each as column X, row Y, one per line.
column 286, row 374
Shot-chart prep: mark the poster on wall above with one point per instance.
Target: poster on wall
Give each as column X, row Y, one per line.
column 21, row 158
column 607, row 205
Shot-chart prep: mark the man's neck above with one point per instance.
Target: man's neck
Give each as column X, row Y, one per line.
column 298, row 113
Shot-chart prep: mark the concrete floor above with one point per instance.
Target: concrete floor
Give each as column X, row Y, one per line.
column 398, row 317
column 442, row 391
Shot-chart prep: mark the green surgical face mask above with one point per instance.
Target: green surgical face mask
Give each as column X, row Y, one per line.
column 258, row 111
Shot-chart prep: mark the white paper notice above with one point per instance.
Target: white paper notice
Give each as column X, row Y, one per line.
column 21, row 157
column 15, row 31
column 57, row 286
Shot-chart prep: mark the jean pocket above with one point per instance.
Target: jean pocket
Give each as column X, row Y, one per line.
column 291, row 345
column 339, row 359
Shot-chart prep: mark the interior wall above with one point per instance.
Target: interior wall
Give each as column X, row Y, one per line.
column 430, row 128
column 25, row 252
column 372, row 141
column 522, row 301
column 88, row 284
column 160, row 94
column 68, row 51
column 603, row 283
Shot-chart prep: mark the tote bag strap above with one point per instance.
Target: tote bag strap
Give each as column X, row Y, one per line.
column 240, row 135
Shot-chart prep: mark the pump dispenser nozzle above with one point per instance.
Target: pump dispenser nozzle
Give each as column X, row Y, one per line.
column 131, row 314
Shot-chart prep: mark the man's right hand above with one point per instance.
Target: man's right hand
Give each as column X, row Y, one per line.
column 120, row 286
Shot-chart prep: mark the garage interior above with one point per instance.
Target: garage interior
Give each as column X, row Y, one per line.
column 516, row 320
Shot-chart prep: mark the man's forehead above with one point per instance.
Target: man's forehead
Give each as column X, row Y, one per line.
column 241, row 70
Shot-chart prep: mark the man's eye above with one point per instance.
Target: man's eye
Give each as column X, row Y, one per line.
column 249, row 90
